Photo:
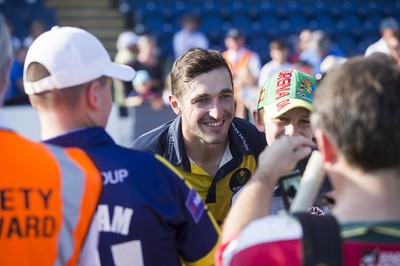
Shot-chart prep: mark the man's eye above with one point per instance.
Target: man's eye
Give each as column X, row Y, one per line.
column 201, row 100
column 304, row 122
column 282, row 120
column 226, row 96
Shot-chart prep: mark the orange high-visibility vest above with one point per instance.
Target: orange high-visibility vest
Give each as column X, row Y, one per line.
column 48, row 197
column 243, row 61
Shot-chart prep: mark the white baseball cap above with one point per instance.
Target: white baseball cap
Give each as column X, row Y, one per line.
column 73, row 56
column 126, row 39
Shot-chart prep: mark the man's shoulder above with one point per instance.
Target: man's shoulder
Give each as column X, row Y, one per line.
column 376, row 47
column 248, row 134
column 153, row 140
column 245, row 125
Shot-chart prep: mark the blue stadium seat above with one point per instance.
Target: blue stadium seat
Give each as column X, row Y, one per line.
column 293, row 8
column 348, row 8
column 212, row 26
column 322, row 8
column 154, row 25
column 348, row 44
column 297, row 23
column 326, row 23
column 241, row 21
column 260, row 44
column 391, row 9
column 267, row 8
column 45, row 14
column 352, row 23
column 164, row 42
column 233, row 8
column 148, row 11
column 372, row 23
column 270, row 25
column 20, row 19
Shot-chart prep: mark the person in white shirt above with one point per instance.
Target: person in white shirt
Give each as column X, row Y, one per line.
column 279, row 52
column 189, row 36
column 387, row 28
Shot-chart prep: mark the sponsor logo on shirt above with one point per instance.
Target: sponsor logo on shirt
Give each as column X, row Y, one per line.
column 239, row 178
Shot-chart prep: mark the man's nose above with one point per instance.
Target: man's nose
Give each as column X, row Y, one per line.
column 216, row 110
column 292, row 130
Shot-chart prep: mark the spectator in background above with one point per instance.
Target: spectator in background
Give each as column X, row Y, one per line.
column 15, row 93
column 127, row 48
column 37, row 27
column 15, row 41
column 329, row 63
column 303, row 66
column 148, row 214
column 127, row 51
column 189, row 36
column 319, row 46
column 143, row 92
column 394, row 45
column 317, row 49
column 300, row 44
column 249, row 91
column 48, row 197
column 147, row 59
column 279, row 52
column 387, row 27
column 239, row 58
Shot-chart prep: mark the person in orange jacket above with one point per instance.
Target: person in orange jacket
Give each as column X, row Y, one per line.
column 48, row 195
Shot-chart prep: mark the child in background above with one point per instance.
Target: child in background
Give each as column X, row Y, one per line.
column 144, row 92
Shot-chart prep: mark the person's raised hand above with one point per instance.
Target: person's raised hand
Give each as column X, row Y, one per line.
column 282, row 156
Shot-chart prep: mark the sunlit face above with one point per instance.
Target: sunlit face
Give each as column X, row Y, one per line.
column 279, row 55
column 294, row 122
column 234, row 44
column 207, row 107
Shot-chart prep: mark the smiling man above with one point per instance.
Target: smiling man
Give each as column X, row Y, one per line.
column 215, row 151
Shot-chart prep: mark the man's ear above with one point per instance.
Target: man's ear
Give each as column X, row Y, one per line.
column 258, row 121
column 93, row 96
column 173, row 101
column 4, row 78
column 326, row 147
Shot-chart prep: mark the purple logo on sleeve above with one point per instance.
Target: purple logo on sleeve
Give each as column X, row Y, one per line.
column 195, row 205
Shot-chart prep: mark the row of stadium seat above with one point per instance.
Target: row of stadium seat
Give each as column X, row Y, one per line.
column 21, row 13
column 352, row 25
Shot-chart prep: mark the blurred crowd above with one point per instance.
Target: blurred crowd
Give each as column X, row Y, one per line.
column 311, row 52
